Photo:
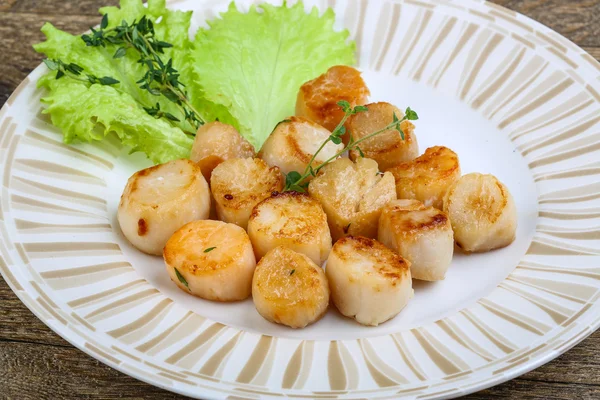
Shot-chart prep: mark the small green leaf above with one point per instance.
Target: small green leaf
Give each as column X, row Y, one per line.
column 410, row 114
column 360, row 152
column 59, row 74
column 345, row 106
column 181, row 278
column 104, row 22
column 107, row 80
column 401, row 131
column 292, row 272
column 395, row 117
column 51, row 64
column 121, row 51
column 292, row 178
column 335, row 139
column 358, row 109
column 171, row 117
column 74, row 68
column 135, row 35
column 171, row 96
column 209, row 249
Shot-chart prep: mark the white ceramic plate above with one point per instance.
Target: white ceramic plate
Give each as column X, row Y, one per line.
column 510, row 96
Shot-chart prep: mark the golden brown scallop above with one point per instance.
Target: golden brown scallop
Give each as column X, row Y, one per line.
column 368, row 281
column 288, row 288
column 420, row 234
column 212, row 260
column 240, row 184
column 352, row 195
column 216, row 142
column 482, row 212
column 317, row 99
column 427, row 177
column 387, row 148
column 159, row 200
column 293, row 142
column 292, row 220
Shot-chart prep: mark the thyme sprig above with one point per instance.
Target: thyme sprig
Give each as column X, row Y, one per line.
column 76, row 72
column 295, row 181
column 161, row 78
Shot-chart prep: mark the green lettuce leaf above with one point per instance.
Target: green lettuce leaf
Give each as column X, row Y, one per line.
column 88, row 112
column 91, row 113
column 254, row 63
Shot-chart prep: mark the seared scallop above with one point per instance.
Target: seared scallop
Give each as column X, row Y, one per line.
column 212, row 260
column 292, row 220
column 293, row 142
column 368, row 281
column 427, row 177
column 482, row 212
column 288, row 288
column 317, row 99
column 420, row 234
column 387, row 148
column 352, row 195
column 159, row 200
column 240, row 184
column 216, row 142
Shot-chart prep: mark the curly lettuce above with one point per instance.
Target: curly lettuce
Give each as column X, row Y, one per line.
column 244, row 70
column 254, row 63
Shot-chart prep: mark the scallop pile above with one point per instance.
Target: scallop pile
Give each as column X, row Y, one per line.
column 370, row 219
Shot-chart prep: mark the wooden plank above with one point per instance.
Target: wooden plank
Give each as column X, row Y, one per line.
column 36, row 363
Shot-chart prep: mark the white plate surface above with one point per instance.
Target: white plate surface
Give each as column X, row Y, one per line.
column 510, row 96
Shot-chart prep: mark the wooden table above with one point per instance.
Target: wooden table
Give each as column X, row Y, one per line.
column 35, row 363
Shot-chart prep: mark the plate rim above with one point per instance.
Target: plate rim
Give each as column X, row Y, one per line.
column 480, row 385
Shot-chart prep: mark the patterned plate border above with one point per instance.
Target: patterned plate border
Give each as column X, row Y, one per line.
column 551, row 294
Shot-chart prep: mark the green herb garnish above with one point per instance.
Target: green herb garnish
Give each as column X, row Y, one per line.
column 181, row 278
column 295, row 181
column 209, row 249
column 292, row 272
column 160, row 78
column 74, row 71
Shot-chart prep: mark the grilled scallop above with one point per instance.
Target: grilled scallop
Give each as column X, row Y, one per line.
column 368, row 281
column 159, row 200
column 420, row 234
column 212, row 260
column 482, row 212
column 352, row 195
column 317, row 99
column 293, row 142
column 292, row 220
column 387, row 148
column 239, row 184
column 288, row 288
column 427, row 177
column 216, row 142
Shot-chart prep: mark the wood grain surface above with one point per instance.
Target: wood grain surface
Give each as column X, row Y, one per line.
column 35, row 363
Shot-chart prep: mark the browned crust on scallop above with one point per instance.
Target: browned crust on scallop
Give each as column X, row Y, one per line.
column 429, row 158
column 476, row 202
column 292, row 143
column 269, row 177
column 132, row 182
column 204, row 263
column 320, row 95
column 388, row 263
column 297, row 225
column 404, row 222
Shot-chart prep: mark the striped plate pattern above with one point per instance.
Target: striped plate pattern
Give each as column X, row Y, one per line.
column 62, row 256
